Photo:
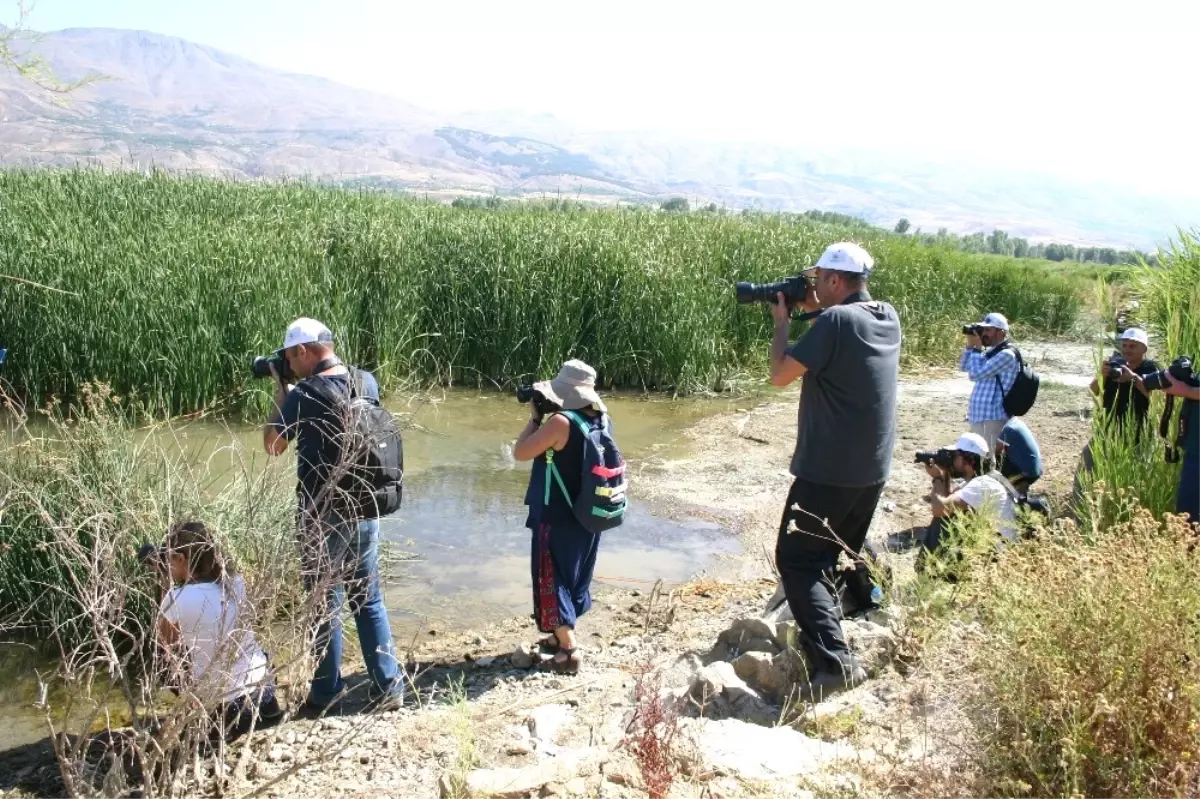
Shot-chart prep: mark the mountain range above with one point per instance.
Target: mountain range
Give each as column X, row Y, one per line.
column 171, row 103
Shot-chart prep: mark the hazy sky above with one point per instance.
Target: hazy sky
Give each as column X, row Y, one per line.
column 1083, row 90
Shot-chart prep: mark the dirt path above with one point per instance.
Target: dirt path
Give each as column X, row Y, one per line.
column 567, row 730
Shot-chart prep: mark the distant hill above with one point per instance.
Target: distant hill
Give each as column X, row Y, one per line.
column 184, row 106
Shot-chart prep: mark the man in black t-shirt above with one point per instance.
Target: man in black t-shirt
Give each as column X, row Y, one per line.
column 1120, row 393
column 849, row 361
column 339, row 550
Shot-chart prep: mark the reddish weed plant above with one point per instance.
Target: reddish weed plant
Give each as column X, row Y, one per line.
column 651, row 734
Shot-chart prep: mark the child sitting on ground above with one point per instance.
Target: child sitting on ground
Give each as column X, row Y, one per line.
column 211, row 651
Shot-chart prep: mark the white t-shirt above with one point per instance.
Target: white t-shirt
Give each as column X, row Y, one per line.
column 209, row 630
column 986, row 495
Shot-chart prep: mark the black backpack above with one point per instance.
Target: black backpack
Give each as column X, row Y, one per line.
column 1024, row 391
column 372, row 480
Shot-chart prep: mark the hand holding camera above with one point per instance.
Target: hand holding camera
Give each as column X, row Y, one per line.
column 539, row 406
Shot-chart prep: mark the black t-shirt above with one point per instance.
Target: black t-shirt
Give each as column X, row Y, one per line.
column 308, row 417
column 1117, row 395
column 569, row 465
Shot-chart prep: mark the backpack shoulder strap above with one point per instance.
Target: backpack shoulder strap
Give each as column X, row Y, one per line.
column 322, row 389
column 580, row 422
column 1006, row 485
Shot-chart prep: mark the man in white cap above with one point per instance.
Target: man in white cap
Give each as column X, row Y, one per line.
column 850, row 364
column 993, row 371
column 339, row 539
column 1119, row 386
column 983, row 491
column 1122, row 390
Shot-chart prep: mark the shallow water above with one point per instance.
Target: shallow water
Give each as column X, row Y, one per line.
column 463, row 518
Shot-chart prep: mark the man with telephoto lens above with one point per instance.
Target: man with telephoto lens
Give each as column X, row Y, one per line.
column 850, row 362
column 339, row 535
column 993, row 371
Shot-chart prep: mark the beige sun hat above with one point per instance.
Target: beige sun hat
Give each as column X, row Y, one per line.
column 573, row 388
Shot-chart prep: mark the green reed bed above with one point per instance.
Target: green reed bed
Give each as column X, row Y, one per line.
column 176, row 281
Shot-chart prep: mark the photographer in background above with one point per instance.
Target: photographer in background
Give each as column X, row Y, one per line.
column 992, row 371
column 849, row 361
column 981, row 491
column 1018, row 456
column 1121, row 394
column 339, row 538
column 1187, row 498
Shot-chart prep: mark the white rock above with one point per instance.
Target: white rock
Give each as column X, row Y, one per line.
column 544, row 722
column 720, row 679
column 751, row 751
column 520, row 782
column 750, row 628
column 522, row 657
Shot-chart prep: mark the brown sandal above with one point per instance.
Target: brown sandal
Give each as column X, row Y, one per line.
column 569, row 665
column 549, row 645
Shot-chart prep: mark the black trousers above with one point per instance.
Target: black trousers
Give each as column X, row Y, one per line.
column 807, row 558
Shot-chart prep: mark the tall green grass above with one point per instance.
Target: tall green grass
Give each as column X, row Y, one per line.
column 176, row 281
column 1129, row 465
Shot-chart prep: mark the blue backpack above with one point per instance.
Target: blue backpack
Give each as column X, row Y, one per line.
column 601, row 502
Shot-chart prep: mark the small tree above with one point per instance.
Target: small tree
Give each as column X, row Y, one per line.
column 902, row 226
column 675, row 204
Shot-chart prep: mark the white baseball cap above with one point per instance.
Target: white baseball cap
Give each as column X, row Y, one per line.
column 1136, row 334
column 996, row 320
column 845, row 256
column 306, row 331
column 973, row 443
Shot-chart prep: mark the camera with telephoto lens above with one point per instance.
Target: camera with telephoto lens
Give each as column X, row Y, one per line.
column 260, row 367
column 938, row 457
column 527, row 393
column 1180, row 371
column 794, row 289
column 972, row 330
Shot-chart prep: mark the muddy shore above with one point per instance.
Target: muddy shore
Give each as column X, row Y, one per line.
column 565, row 731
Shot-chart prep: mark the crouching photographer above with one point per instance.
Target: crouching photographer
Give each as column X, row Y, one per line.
column 1179, row 380
column 982, row 490
column 203, row 630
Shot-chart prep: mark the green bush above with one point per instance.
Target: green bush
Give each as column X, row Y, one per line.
column 1085, row 675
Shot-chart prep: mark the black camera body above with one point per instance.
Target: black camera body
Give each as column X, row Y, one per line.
column 938, row 457
column 1117, row 361
column 527, row 393
column 972, row 330
column 794, row 289
column 260, row 367
column 150, row 556
column 1181, row 371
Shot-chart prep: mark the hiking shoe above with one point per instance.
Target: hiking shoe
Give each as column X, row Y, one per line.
column 388, row 702
column 827, row 683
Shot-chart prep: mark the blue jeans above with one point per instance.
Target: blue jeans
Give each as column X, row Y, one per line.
column 353, row 554
column 1187, row 499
